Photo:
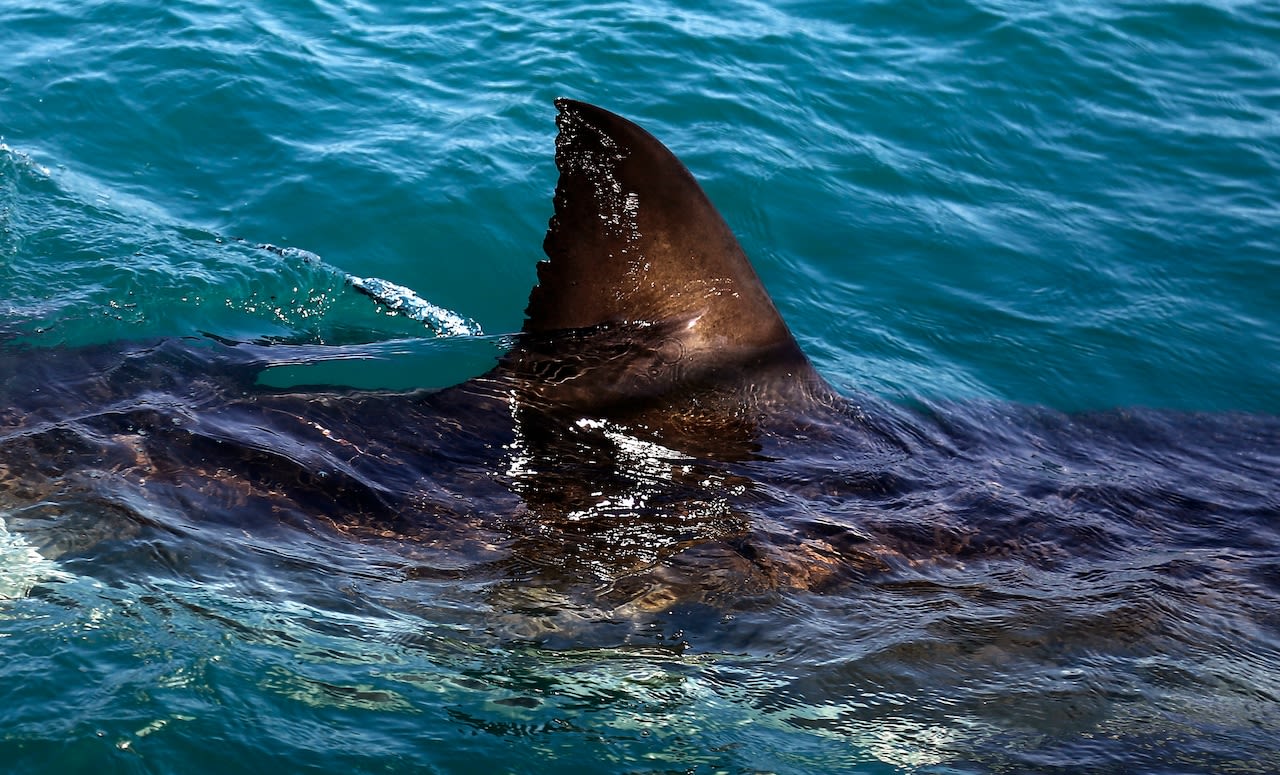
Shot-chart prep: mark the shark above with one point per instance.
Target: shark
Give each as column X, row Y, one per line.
column 654, row 435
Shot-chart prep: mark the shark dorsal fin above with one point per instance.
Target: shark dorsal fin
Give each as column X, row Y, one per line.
column 635, row 240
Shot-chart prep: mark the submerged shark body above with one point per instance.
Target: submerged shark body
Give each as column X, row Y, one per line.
column 654, row 436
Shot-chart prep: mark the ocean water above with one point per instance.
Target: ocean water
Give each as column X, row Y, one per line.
column 1065, row 207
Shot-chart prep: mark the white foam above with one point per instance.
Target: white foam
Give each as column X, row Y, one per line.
column 24, row 160
column 403, row 301
column 396, row 299
column 22, row 567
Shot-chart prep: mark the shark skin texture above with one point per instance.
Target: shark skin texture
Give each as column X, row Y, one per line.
column 654, row 437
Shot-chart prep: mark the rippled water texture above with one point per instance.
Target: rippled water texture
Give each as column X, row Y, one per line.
column 1034, row 244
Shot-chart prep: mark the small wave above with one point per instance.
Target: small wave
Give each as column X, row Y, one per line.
column 397, row 299
column 23, row 160
column 22, row 567
column 403, row 301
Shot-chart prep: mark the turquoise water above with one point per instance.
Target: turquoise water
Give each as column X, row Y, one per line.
column 1072, row 205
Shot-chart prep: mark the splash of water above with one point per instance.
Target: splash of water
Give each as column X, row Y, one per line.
column 396, row 299
column 22, row 567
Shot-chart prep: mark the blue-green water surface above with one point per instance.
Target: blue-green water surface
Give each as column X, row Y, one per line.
column 1068, row 204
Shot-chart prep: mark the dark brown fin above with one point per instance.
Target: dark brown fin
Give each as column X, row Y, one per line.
column 635, row 240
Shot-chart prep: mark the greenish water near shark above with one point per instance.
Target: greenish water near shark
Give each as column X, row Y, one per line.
column 1072, row 205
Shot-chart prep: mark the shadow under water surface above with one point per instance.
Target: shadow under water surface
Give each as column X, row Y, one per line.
column 671, row 518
